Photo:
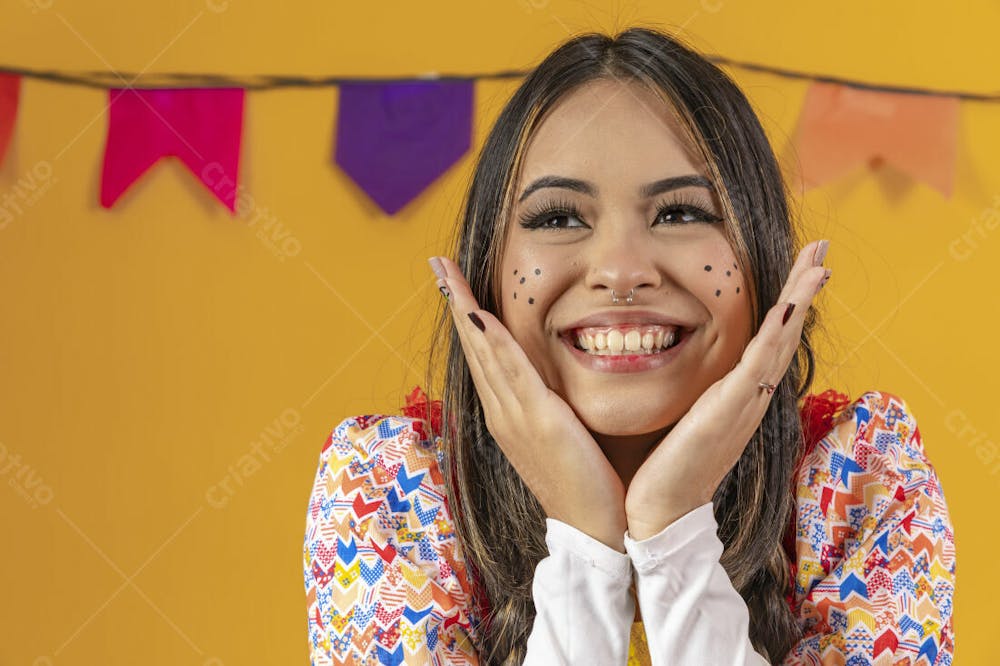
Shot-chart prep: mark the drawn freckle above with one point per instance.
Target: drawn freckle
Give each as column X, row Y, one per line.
column 708, row 268
column 737, row 290
column 718, row 291
column 538, row 271
column 728, row 273
column 515, row 294
column 515, row 271
column 522, row 279
column 734, row 265
column 531, row 300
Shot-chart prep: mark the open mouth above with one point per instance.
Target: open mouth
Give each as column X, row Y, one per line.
column 634, row 342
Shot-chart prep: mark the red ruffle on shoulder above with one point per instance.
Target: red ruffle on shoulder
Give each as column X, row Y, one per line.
column 818, row 412
column 416, row 407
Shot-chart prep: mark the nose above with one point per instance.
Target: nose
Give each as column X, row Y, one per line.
column 621, row 260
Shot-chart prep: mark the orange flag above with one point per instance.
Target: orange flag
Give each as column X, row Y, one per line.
column 841, row 126
column 10, row 90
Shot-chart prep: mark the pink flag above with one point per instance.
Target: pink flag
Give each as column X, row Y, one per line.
column 841, row 126
column 201, row 126
column 10, row 90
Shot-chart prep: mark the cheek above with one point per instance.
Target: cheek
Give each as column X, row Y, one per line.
column 525, row 285
column 722, row 287
column 719, row 283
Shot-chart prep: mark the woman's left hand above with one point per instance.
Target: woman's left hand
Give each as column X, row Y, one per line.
column 687, row 466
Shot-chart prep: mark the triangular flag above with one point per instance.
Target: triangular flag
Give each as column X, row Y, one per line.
column 10, row 92
column 842, row 126
column 201, row 126
column 395, row 139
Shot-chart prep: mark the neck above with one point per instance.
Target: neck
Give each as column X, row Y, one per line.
column 626, row 453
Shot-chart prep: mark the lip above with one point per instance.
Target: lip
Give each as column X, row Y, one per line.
column 626, row 362
column 623, row 316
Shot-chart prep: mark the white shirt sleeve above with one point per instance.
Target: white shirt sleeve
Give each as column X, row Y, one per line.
column 691, row 612
column 584, row 607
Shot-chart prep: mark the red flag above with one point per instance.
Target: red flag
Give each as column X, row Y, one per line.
column 200, row 126
column 10, row 91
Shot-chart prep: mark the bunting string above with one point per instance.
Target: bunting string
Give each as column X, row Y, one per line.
column 110, row 79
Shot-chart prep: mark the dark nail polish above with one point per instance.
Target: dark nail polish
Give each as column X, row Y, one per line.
column 443, row 288
column 477, row 321
column 822, row 283
column 788, row 313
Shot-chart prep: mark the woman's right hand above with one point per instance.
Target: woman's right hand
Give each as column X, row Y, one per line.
column 545, row 442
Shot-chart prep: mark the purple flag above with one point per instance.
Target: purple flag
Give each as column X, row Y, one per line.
column 395, row 139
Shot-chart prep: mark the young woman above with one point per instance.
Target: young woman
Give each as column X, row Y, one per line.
column 621, row 470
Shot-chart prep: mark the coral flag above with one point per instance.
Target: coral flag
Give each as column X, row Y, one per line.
column 395, row 139
column 200, row 126
column 10, row 91
column 841, row 126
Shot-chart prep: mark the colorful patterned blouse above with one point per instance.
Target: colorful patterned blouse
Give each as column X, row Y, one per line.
column 871, row 544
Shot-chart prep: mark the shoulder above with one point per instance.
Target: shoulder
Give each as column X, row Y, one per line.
column 383, row 466
column 389, row 443
column 873, row 438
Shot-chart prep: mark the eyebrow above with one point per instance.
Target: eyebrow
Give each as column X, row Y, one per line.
column 646, row 191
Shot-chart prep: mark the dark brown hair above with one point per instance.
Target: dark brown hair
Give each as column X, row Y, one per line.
column 499, row 523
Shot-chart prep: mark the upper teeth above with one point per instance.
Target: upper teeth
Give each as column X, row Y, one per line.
column 627, row 338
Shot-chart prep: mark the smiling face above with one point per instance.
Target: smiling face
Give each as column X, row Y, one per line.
column 669, row 246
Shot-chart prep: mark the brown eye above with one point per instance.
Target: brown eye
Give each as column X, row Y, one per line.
column 685, row 214
column 543, row 216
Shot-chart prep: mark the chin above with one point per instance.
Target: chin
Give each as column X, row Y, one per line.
column 622, row 416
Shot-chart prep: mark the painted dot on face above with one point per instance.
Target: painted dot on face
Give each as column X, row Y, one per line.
column 515, row 295
column 531, row 301
column 708, row 268
column 522, row 279
column 737, row 290
column 515, row 271
column 728, row 273
column 538, row 271
column 718, row 292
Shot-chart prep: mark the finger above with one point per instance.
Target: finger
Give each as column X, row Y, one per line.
column 790, row 331
column 803, row 263
column 768, row 355
column 461, row 302
column 504, row 367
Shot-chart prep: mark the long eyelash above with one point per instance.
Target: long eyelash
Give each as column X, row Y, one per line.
column 688, row 203
column 536, row 217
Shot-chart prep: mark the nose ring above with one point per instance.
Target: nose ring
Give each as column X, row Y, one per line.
column 615, row 299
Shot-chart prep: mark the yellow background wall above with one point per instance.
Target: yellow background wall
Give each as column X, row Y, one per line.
column 169, row 375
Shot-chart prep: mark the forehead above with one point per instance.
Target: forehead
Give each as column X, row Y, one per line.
column 617, row 132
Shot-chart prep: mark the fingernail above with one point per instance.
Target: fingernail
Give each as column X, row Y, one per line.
column 477, row 321
column 443, row 288
column 437, row 267
column 826, row 277
column 820, row 255
column 788, row 313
